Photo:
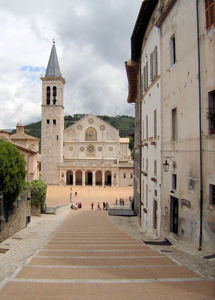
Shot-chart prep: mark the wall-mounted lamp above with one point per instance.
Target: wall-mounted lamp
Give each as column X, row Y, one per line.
column 166, row 164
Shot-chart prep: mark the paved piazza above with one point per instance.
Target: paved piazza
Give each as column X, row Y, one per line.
column 89, row 257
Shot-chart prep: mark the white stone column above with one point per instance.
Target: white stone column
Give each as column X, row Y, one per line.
column 103, row 178
column 94, row 178
column 74, row 177
column 117, row 177
column 83, row 178
column 112, row 177
column 64, row 177
column 60, row 177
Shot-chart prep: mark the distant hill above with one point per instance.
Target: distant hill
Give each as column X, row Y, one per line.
column 125, row 124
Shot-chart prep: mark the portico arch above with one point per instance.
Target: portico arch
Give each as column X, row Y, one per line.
column 98, row 177
column 108, row 178
column 78, row 178
column 88, row 178
column 69, row 177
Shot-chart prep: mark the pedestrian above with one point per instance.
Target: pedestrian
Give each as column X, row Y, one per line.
column 107, row 205
column 98, row 206
column 92, row 205
column 76, row 194
column 103, row 205
column 116, row 201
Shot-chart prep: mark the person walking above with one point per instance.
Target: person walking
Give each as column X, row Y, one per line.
column 103, row 205
column 98, row 206
column 92, row 205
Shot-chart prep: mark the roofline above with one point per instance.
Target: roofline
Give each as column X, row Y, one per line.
column 5, row 131
column 25, row 149
column 140, row 27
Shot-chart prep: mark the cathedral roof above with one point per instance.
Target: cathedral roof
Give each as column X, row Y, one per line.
column 53, row 69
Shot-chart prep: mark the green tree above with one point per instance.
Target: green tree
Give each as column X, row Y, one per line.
column 12, row 174
column 131, row 146
column 38, row 193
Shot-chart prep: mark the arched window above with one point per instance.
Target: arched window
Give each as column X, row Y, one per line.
column 48, row 91
column 54, row 94
column 90, row 134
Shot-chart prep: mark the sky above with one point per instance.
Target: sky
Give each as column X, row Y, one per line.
column 92, row 39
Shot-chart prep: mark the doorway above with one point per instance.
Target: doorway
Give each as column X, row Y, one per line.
column 90, row 178
column 155, row 210
column 174, row 215
column 71, row 179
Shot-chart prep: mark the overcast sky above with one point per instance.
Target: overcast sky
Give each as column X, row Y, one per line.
column 92, row 41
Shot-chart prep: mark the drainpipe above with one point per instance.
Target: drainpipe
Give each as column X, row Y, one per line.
column 200, row 133
column 140, row 141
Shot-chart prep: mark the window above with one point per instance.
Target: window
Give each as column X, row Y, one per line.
column 210, row 13
column 124, row 175
column 143, row 130
column 211, row 112
column 147, row 164
column 145, row 76
column 212, row 194
column 54, row 122
column 155, row 123
column 54, row 94
column 172, row 50
column 147, row 127
column 47, row 121
column 174, row 181
column 146, row 195
column 57, row 137
column 155, row 168
column 131, row 175
column 48, row 95
column 154, row 64
column 174, row 124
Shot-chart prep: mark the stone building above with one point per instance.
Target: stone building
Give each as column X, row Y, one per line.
column 90, row 152
column 28, row 147
column 187, row 108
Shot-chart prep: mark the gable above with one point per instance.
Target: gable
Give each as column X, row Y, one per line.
column 91, row 128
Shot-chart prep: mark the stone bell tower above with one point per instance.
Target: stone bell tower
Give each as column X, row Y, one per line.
column 52, row 121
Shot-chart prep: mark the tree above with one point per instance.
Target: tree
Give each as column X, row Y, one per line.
column 12, row 174
column 38, row 193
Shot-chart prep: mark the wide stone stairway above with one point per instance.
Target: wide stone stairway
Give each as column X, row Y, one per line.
column 89, row 257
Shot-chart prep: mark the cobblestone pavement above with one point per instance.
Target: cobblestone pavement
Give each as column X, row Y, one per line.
column 89, row 257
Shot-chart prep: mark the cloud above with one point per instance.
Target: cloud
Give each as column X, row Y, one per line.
column 92, row 41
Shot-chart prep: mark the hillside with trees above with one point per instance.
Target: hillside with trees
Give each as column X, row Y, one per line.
column 125, row 124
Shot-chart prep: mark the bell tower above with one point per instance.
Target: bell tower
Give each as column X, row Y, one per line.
column 52, row 121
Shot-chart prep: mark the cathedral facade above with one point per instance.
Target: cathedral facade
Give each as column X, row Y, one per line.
column 89, row 152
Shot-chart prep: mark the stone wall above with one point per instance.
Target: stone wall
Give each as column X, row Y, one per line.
column 18, row 220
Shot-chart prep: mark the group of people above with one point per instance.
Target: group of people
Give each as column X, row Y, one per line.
column 121, row 201
column 76, row 205
column 105, row 206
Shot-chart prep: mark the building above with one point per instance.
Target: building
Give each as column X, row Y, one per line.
column 28, row 147
column 187, row 101
column 143, row 71
column 90, row 152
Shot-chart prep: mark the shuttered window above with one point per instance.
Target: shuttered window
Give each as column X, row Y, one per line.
column 145, row 76
column 210, row 13
column 154, row 64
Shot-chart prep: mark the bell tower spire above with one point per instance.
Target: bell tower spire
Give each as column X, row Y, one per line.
column 53, row 69
column 52, row 123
